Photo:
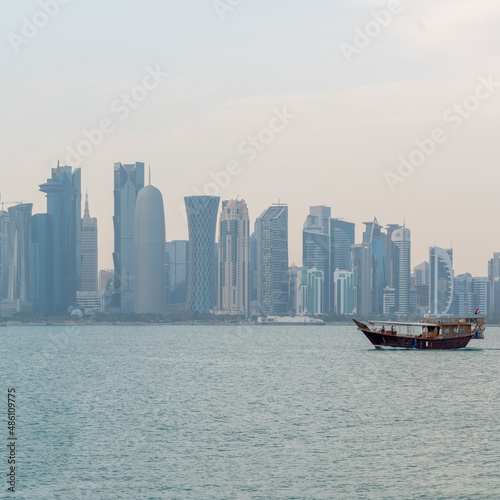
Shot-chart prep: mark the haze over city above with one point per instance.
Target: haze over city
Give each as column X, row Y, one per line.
column 215, row 76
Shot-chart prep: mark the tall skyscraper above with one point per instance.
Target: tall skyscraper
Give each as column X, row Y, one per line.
column 42, row 273
column 401, row 269
column 89, row 250
column 149, row 252
column 494, row 278
column 63, row 191
column 421, row 273
column 177, row 264
column 341, row 240
column 316, row 251
column 20, row 253
column 202, row 223
column 128, row 181
column 441, row 280
column 4, row 254
column 271, row 230
column 234, row 259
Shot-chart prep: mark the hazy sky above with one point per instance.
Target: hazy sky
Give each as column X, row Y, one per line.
column 353, row 104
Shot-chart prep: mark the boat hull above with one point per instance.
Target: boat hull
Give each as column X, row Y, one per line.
column 391, row 340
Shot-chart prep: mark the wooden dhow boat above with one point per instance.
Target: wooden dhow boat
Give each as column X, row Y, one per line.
column 428, row 333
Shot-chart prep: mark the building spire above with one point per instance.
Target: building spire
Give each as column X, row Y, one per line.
column 86, row 213
column 150, row 175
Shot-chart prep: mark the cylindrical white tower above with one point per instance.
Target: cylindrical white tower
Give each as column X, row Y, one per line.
column 149, row 252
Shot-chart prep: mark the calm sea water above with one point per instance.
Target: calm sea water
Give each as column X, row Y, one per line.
column 202, row 412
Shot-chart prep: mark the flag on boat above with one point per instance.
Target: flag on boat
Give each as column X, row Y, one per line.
column 477, row 311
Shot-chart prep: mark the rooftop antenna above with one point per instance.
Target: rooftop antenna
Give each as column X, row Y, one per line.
column 149, row 174
column 86, row 213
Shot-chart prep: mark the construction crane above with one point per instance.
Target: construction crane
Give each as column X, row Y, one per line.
column 3, row 203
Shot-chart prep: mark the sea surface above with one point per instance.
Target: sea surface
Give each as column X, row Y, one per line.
column 228, row 412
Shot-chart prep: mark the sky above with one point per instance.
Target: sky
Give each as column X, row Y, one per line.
column 384, row 109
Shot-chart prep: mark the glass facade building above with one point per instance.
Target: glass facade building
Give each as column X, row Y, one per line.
column 20, row 253
column 316, row 248
column 63, row 191
column 177, row 263
column 202, row 223
column 149, row 253
column 234, row 259
column 89, row 251
column 41, row 265
column 441, row 281
column 271, row 231
column 128, row 181
column 4, row 255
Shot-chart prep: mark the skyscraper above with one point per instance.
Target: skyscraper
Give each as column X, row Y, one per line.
column 20, row 253
column 177, row 263
column 271, row 230
column 316, row 251
column 63, row 191
column 202, row 223
column 128, row 181
column 311, row 290
column 89, row 250
column 234, row 258
column 4, row 254
column 494, row 278
column 343, row 285
column 42, row 273
column 421, row 273
column 341, row 240
column 441, row 280
column 401, row 269
column 149, row 252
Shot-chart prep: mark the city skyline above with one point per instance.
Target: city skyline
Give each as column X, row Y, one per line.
column 339, row 125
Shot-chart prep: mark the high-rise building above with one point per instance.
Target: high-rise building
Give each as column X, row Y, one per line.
column 20, row 254
column 128, row 181
column 316, row 250
column 401, row 269
column 89, row 251
column 494, row 278
column 177, row 264
column 361, row 255
column 202, row 276
column 149, row 252
column 294, row 284
column 441, row 281
column 421, row 288
column 311, row 290
column 344, row 291
column 341, row 240
column 422, row 274
column 342, row 237
column 234, row 259
column 41, row 265
column 470, row 294
column 63, row 191
column 271, row 230
column 4, row 254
